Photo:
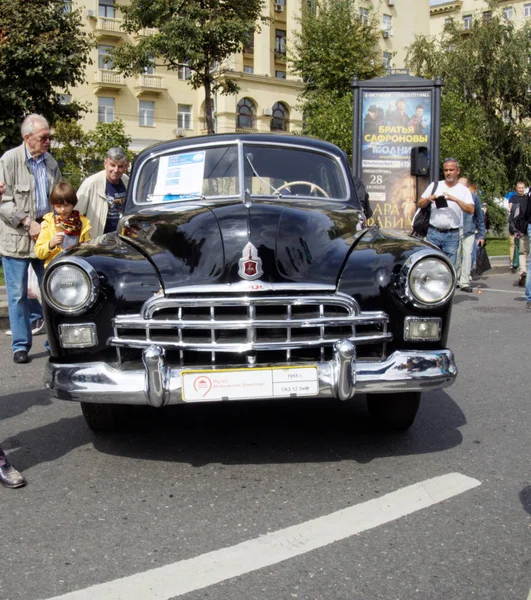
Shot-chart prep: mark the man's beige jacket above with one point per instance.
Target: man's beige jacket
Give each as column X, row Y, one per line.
column 92, row 201
column 19, row 200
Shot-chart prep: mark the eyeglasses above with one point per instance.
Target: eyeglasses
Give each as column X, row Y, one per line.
column 44, row 138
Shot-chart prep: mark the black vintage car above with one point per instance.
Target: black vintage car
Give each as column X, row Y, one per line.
column 243, row 269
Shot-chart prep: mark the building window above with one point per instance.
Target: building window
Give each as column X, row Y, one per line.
column 527, row 11
column 248, row 69
column 280, row 74
column 387, row 57
column 280, row 42
column 387, row 24
column 106, row 9
column 65, row 98
column 183, row 71
column 508, row 13
column 467, row 21
column 280, row 120
column 146, row 113
column 150, row 69
column 184, row 116
column 249, row 47
column 487, row 16
column 104, row 62
column 68, row 6
column 245, row 114
column 364, row 16
column 105, row 110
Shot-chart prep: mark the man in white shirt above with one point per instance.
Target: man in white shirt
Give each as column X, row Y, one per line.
column 448, row 202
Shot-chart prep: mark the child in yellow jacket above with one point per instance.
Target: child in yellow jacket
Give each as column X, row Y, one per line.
column 62, row 228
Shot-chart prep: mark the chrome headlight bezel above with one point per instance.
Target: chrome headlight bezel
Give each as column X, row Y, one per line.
column 91, row 276
column 405, row 289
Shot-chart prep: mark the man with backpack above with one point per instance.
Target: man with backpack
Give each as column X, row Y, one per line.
column 447, row 199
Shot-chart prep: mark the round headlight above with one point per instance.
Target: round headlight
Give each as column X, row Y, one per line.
column 69, row 288
column 431, row 280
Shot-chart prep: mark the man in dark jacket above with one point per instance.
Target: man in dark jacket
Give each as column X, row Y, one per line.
column 522, row 227
column 517, row 213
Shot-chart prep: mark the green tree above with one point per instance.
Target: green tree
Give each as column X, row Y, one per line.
column 43, row 52
column 81, row 153
column 335, row 44
column 199, row 34
column 485, row 105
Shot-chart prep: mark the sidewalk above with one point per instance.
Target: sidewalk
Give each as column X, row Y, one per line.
column 498, row 263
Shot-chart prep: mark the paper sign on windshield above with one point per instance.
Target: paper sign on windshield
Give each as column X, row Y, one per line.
column 180, row 176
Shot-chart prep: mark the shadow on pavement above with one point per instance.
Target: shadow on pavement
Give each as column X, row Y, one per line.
column 525, row 498
column 16, row 404
column 280, row 432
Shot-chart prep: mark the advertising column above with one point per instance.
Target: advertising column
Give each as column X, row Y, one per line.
column 388, row 124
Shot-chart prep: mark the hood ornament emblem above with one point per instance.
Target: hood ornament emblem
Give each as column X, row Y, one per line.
column 250, row 263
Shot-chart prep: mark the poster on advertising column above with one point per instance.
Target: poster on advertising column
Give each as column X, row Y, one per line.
column 392, row 123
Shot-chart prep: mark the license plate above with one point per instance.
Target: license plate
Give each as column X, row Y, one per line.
column 234, row 384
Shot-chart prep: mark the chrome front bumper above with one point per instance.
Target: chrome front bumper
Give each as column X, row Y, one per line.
column 159, row 384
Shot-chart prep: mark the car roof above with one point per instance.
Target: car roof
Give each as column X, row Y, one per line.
column 245, row 137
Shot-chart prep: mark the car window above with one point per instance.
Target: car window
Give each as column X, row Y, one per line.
column 289, row 171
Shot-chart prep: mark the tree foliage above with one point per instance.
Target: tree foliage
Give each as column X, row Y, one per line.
column 43, row 52
column 333, row 46
column 81, row 153
column 485, row 105
column 200, row 34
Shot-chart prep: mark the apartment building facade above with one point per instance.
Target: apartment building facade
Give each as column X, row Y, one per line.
column 160, row 104
column 464, row 11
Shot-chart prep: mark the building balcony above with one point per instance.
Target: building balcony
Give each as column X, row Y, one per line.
column 149, row 84
column 106, row 27
column 108, row 80
column 146, row 32
column 280, row 56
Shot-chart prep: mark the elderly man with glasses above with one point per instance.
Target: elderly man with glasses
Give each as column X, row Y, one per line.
column 29, row 173
column 447, row 201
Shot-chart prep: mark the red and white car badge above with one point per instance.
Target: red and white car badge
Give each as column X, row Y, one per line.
column 250, row 264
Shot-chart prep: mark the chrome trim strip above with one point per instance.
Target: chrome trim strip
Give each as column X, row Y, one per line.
column 249, row 286
column 160, row 303
column 244, row 347
column 100, row 382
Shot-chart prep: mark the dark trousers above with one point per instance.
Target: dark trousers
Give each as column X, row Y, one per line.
column 3, row 458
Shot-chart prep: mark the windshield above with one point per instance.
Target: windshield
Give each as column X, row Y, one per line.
column 212, row 172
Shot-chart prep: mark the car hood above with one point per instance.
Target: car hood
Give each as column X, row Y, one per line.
column 227, row 243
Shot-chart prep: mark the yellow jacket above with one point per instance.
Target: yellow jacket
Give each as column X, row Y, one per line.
column 42, row 247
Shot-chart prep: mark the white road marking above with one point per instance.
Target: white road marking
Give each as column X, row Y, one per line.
column 213, row 567
column 482, row 290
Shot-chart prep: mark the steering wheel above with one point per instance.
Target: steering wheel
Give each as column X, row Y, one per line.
column 313, row 187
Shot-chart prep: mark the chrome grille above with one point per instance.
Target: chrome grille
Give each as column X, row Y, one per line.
column 251, row 329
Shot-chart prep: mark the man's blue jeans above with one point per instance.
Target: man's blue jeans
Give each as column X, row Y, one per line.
column 448, row 242
column 528, row 280
column 23, row 311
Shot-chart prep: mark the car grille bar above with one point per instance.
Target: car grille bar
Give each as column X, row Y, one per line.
column 250, row 330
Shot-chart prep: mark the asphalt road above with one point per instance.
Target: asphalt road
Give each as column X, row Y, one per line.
column 225, row 486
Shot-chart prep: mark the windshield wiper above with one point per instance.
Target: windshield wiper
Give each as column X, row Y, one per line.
column 249, row 158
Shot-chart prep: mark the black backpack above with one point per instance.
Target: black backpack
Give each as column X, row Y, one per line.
column 421, row 219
